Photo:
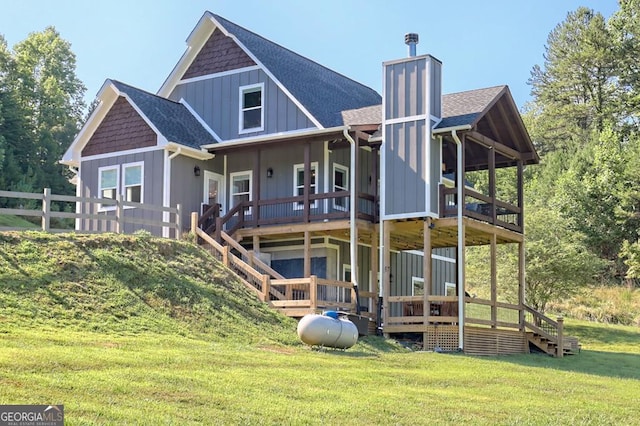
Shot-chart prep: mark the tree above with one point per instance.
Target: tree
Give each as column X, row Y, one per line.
column 50, row 92
column 572, row 91
column 558, row 263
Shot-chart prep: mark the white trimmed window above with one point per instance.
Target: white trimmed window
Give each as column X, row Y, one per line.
column 340, row 183
column 241, row 188
column 417, row 286
column 450, row 289
column 251, row 108
column 108, row 178
column 133, row 178
column 298, row 184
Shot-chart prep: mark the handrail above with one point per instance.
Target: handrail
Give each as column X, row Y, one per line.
column 256, row 262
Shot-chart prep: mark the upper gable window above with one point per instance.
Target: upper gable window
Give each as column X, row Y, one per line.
column 251, row 108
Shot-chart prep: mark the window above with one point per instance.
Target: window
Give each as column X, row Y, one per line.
column 108, row 184
column 251, row 108
column 241, row 185
column 417, row 286
column 450, row 289
column 298, row 184
column 344, row 294
column 340, row 183
column 132, row 184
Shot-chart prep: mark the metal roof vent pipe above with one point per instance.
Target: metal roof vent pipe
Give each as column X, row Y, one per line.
column 411, row 39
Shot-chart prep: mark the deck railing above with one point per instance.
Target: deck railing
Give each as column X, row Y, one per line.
column 326, row 206
column 289, row 295
column 481, row 207
column 113, row 214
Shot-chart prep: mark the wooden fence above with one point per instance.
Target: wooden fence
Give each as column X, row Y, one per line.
column 116, row 217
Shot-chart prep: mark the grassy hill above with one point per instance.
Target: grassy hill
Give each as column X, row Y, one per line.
column 128, row 284
column 139, row 330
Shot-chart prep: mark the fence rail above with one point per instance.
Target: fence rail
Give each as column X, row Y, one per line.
column 115, row 215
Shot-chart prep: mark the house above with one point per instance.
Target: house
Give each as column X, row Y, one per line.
column 324, row 183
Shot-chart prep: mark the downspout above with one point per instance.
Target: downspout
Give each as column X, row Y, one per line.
column 460, row 255
column 166, row 195
column 353, row 211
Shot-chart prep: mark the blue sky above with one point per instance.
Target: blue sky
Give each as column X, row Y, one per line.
column 481, row 43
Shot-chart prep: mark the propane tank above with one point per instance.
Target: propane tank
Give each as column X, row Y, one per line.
column 330, row 330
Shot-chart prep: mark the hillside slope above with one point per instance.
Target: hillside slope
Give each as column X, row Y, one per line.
column 129, row 284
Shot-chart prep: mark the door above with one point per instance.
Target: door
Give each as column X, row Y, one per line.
column 214, row 190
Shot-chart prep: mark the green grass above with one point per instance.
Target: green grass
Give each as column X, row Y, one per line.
column 15, row 222
column 100, row 325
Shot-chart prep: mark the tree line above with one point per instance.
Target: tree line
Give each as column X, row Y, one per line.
column 583, row 200
column 41, row 109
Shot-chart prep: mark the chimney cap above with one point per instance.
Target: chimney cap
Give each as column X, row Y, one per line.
column 411, row 38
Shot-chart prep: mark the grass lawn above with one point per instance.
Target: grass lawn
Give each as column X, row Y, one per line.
column 85, row 322
column 15, row 222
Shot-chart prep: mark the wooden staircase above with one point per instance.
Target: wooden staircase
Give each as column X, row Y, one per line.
column 548, row 335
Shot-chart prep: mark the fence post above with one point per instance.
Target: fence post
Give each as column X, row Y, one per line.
column 46, row 209
column 560, row 344
column 266, row 287
column 119, row 214
column 178, row 221
column 313, row 292
column 194, row 222
column 218, row 236
column 225, row 256
column 250, row 258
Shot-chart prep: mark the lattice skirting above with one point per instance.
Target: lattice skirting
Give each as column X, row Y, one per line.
column 444, row 337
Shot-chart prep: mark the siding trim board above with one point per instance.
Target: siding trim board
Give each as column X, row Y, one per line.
column 218, row 74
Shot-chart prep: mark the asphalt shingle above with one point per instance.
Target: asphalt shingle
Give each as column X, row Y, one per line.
column 323, row 92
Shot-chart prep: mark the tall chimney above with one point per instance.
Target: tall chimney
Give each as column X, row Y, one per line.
column 411, row 39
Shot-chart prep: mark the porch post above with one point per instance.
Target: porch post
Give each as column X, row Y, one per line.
column 386, row 276
column 521, row 283
column 520, row 194
column 492, row 183
column 307, row 181
column 307, row 254
column 426, row 268
column 374, row 182
column 256, row 187
column 373, row 285
column 494, row 291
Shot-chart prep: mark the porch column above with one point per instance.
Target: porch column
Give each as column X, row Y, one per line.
column 256, row 187
column 520, row 194
column 426, row 268
column 374, row 181
column 494, row 291
column 492, row 183
column 307, row 181
column 521, row 283
column 307, row 254
column 386, row 275
column 353, row 217
column 373, row 285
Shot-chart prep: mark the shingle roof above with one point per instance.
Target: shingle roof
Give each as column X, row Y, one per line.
column 172, row 119
column 464, row 107
column 457, row 108
column 323, row 92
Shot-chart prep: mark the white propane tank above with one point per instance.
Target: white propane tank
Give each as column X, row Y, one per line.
column 327, row 330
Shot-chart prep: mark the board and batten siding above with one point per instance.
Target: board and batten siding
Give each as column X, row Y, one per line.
column 217, row 101
column 152, row 189
column 281, row 185
column 410, row 162
column 188, row 189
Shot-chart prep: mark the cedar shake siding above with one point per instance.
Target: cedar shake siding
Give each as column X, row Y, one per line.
column 220, row 53
column 122, row 129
